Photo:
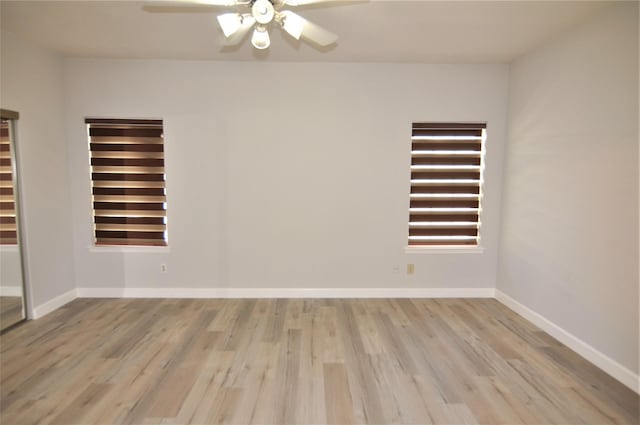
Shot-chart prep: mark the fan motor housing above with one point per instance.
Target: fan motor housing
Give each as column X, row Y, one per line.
column 263, row 11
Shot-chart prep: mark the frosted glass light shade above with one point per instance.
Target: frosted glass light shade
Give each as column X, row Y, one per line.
column 230, row 23
column 260, row 38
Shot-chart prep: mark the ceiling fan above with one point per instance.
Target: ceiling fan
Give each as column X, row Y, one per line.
column 259, row 14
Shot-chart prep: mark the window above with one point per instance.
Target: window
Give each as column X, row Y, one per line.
column 446, row 183
column 128, row 182
column 8, row 226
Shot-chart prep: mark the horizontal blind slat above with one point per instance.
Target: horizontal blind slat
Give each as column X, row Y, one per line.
column 452, row 231
column 143, row 191
column 128, row 205
column 125, row 132
column 119, row 234
column 127, row 140
column 443, row 243
column 128, row 170
column 445, row 189
column 127, row 162
column 447, row 145
column 125, row 198
column 9, row 240
column 125, row 147
column 132, row 227
column 443, row 224
column 128, row 177
column 128, row 220
column 127, row 155
column 446, row 160
column 450, row 213
column 122, row 184
column 414, row 217
column 446, row 183
column 130, row 242
column 445, row 174
column 129, row 213
column 446, row 133
column 123, row 122
column 449, row 125
column 444, row 203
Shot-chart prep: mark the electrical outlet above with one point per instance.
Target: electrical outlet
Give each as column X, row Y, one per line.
column 163, row 268
column 411, row 268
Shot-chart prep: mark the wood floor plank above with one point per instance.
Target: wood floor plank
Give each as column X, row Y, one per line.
column 81, row 405
column 199, row 403
column 337, row 395
column 11, row 311
column 381, row 361
column 364, row 388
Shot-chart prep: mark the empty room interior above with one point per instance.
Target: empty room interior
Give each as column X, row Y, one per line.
column 319, row 212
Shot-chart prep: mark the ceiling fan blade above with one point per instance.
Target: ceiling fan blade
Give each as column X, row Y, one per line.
column 195, row 3
column 318, row 35
column 297, row 26
column 292, row 23
column 240, row 34
column 305, row 2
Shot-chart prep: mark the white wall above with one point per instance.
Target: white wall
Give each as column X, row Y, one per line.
column 569, row 247
column 284, row 175
column 31, row 83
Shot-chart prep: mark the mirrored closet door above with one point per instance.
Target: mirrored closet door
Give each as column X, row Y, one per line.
column 12, row 305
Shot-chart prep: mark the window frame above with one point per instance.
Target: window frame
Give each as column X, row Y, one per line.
column 130, row 244
column 450, row 248
column 12, row 242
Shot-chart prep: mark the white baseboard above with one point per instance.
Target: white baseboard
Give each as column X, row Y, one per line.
column 10, row 291
column 54, row 304
column 604, row 362
column 101, row 293
column 286, row 292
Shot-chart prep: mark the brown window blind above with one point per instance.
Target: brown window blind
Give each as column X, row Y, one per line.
column 8, row 226
column 128, row 182
column 446, row 183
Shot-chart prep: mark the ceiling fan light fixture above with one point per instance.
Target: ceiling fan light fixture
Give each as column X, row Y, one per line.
column 260, row 38
column 292, row 24
column 230, row 23
column 258, row 15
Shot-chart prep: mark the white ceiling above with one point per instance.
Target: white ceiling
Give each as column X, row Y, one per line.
column 375, row 31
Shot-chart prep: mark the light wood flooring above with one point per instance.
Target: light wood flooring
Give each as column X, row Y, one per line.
column 298, row 362
column 10, row 311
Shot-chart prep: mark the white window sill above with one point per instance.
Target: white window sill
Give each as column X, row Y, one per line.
column 444, row 250
column 130, row 249
column 9, row 248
